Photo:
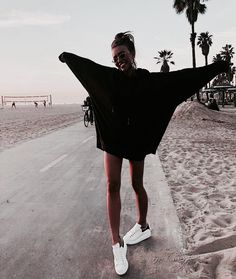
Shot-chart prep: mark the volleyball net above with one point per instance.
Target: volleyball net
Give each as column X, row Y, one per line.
column 44, row 99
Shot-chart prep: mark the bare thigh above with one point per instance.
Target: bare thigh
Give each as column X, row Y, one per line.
column 113, row 165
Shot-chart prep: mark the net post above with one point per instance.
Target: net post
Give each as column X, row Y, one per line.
column 50, row 98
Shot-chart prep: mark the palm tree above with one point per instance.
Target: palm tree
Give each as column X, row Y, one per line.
column 232, row 74
column 193, row 8
column 216, row 58
column 164, row 58
column 221, row 78
column 227, row 54
column 204, row 42
column 217, row 80
column 225, row 78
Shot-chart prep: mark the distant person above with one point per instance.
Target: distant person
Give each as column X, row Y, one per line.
column 85, row 102
column 13, row 105
column 36, row 104
column 213, row 105
column 44, row 103
column 89, row 104
column 119, row 96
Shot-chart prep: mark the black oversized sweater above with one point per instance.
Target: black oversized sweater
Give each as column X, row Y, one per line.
column 132, row 113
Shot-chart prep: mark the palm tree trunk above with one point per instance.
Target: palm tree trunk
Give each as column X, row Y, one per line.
column 192, row 39
column 209, row 85
column 206, row 60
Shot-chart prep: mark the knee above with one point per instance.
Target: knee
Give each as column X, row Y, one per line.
column 113, row 186
column 137, row 186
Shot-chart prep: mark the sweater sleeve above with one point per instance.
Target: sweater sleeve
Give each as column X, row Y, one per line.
column 182, row 84
column 91, row 75
column 95, row 78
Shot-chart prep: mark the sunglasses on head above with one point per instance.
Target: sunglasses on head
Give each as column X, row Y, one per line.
column 119, row 56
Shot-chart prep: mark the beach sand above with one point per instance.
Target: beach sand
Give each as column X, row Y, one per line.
column 198, row 156
column 27, row 122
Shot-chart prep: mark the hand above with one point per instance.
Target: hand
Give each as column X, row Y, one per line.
column 61, row 57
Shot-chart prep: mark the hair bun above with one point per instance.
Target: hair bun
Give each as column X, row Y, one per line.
column 124, row 36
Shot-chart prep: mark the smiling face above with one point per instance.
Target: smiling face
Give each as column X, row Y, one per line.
column 123, row 59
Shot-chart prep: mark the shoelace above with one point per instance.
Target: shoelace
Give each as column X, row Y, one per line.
column 133, row 231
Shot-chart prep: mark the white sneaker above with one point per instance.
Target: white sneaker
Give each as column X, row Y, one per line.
column 137, row 234
column 120, row 261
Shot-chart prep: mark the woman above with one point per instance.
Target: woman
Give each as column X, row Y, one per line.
column 122, row 128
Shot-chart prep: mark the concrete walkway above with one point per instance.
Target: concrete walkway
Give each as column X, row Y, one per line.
column 53, row 220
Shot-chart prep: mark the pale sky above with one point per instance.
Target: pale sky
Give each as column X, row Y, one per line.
column 34, row 33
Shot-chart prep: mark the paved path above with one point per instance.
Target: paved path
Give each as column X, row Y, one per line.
column 53, row 221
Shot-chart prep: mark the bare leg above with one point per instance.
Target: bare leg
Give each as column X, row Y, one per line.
column 113, row 166
column 136, row 172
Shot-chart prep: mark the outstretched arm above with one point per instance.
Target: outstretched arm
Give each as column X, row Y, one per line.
column 182, row 84
column 95, row 78
column 83, row 68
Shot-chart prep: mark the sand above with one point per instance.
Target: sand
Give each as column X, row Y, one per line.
column 27, row 122
column 198, row 156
